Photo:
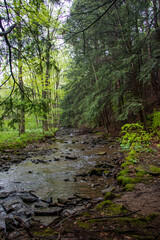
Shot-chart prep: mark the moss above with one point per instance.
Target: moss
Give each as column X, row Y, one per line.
column 155, row 169
column 129, row 187
column 106, row 171
column 140, row 221
column 124, row 172
column 138, row 237
column 83, row 224
column 125, row 180
column 126, row 164
column 117, row 209
column 104, row 203
column 109, row 196
column 85, row 214
column 46, row 232
column 98, row 133
column 140, row 171
column 112, row 208
column 59, row 141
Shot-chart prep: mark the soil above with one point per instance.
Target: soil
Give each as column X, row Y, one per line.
column 121, row 215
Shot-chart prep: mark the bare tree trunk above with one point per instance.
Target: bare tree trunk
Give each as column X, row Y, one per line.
column 155, row 14
column 46, row 93
column 20, row 79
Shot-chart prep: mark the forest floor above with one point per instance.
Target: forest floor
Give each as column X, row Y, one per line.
column 128, row 210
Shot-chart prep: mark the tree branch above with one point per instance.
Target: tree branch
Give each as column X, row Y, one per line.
column 5, row 81
column 85, row 29
column 4, row 33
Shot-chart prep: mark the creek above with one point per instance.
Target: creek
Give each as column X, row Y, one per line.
column 52, row 174
column 60, row 169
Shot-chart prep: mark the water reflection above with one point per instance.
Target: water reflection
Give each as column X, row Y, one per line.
column 54, row 178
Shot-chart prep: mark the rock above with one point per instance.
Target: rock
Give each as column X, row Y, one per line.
column 62, row 200
column 95, row 185
column 4, row 194
column 70, row 157
column 82, row 196
column 66, row 180
column 27, row 197
column 49, row 200
column 48, row 211
column 101, row 153
column 106, row 190
column 97, row 172
column 40, row 205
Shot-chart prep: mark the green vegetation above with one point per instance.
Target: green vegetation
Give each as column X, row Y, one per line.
column 134, row 142
column 46, row 232
column 114, row 74
column 134, row 138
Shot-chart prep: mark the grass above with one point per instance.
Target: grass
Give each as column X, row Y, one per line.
column 11, row 139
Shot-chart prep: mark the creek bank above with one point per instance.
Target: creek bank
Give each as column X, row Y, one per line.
column 115, row 214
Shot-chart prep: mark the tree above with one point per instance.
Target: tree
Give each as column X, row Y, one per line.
column 109, row 81
column 32, row 54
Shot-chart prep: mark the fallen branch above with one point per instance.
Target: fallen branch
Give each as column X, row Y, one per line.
column 113, row 216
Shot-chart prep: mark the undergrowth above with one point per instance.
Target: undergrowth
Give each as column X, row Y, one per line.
column 11, row 139
column 134, row 141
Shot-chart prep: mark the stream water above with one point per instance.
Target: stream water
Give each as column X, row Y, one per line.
column 52, row 172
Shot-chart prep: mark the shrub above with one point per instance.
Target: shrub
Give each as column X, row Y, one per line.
column 134, row 137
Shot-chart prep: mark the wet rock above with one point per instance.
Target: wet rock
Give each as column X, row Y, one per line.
column 48, row 211
column 4, row 194
column 95, row 185
column 49, row 200
column 37, row 161
column 82, row 196
column 28, row 198
column 13, row 203
column 40, row 205
column 105, row 165
column 62, row 200
column 102, row 153
column 97, row 172
column 82, row 175
column 107, row 190
column 70, row 157
column 66, row 180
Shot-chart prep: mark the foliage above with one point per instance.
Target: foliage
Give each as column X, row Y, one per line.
column 115, row 63
column 34, row 86
column 134, row 138
column 156, row 122
column 11, row 139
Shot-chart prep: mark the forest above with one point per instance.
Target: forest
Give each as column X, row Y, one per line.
column 80, row 119
column 115, row 63
column 94, row 65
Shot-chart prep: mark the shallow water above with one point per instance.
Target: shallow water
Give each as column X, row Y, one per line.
column 55, row 176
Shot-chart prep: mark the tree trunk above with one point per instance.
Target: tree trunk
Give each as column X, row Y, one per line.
column 20, row 79
column 46, row 93
column 155, row 14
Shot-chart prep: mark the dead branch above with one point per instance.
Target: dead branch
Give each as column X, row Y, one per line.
column 113, row 216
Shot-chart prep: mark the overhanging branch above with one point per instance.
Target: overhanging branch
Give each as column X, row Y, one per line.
column 4, row 33
column 85, row 29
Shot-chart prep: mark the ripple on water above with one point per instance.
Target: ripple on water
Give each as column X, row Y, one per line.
column 49, row 179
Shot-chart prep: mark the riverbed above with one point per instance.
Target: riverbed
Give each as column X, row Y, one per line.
column 51, row 169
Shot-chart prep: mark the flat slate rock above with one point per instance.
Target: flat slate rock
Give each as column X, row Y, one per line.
column 70, row 157
column 51, row 211
column 4, row 194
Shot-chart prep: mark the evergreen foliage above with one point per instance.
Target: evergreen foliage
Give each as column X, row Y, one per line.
column 115, row 62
